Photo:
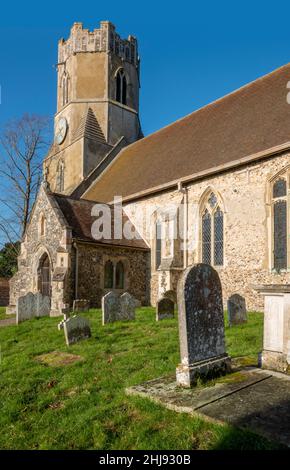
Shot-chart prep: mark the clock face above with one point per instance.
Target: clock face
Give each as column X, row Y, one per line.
column 61, row 130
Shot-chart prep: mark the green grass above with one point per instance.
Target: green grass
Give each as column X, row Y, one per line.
column 2, row 313
column 83, row 405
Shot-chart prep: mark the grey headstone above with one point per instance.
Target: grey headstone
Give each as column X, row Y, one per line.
column 127, row 307
column 110, row 308
column 170, row 294
column 164, row 309
column 237, row 312
column 75, row 329
column 81, row 305
column 201, row 325
column 42, row 305
column 25, row 308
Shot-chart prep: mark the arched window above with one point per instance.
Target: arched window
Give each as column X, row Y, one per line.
column 212, row 232
column 120, row 274
column 280, row 223
column 158, row 255
column 109, row 275
column 121, row 87
column 60, row 177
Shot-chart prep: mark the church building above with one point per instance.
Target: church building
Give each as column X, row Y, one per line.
column 220, row 175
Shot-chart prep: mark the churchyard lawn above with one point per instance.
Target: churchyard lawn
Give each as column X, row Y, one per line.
column 55, row 401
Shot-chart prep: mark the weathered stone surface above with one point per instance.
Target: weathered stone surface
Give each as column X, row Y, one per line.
column 42, row 305
column 127, row 307
column 164, row 309
column 170, row 294
column 75, row 329
column 81, row 305
column 115, row 308
column 25, row 308
column 110, row 308
column 32, row 305
column 201, row 325
column 237, row 312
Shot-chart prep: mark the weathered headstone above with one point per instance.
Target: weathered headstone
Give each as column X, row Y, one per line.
column 237, row 312
column 164, row 309
column 127, row 307
column 201, row 326
column 110, row 308
column 32, row 305
column 81, row 305
column 42, row 304
column 25, row 308
column 75, row 329
column 170, row 294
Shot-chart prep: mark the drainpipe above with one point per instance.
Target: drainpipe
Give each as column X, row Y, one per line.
column 76, row 270
column 184, row 191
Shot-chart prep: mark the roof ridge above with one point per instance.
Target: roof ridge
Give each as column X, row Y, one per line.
column 216, row 101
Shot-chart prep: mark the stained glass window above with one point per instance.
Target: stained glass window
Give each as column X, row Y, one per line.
column 218, row 237
column 212, row 200
column 279, row 188
column 280, row 235
column 206, row 238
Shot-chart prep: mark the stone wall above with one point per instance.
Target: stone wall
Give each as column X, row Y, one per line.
column 4, row 292
column 91, row 262
column 244, row 193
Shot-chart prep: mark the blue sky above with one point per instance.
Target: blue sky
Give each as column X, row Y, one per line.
column 191, row 52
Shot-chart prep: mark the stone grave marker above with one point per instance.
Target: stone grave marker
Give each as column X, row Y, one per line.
column 75, row 329
column 170, row 294
column 164, row 309
column 127, row 307
column 237, row 312
column 201, row 326
column 42, row 304
column 32, row 305
column 110, row 308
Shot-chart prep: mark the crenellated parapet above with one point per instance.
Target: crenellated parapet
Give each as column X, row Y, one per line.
column 104, row 39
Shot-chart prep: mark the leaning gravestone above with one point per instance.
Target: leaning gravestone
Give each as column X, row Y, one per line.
column 81, row 305
column 75, row 329
column 110, row 308
column 237, row 312
column 127, row 307
column 164, row 309
column 201, row 326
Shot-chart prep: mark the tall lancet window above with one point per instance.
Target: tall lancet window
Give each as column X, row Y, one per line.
column 212, row 232
column 65, row 90
column 280, row 223
column 121, row 87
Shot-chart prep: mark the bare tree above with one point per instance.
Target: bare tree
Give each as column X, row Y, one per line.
column 23, row 144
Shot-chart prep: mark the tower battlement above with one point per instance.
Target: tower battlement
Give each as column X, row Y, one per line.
column 103, row 39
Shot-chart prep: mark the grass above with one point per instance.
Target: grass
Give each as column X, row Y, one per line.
column 82, row 405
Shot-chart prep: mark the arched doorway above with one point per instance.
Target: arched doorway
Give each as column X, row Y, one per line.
column 44, row 275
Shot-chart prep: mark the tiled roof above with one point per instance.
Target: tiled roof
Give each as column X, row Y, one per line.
column 252, row 119
column 89, row 127
column 77, row 213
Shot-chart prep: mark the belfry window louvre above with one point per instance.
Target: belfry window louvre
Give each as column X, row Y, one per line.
column 212, row 232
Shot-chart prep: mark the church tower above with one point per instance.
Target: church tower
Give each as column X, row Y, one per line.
column 97, row 103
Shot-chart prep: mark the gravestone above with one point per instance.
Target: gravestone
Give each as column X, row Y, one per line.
column 201, row 326
column 237, row 312
column 32, row 305
column 25, row 308
column 110, row 308
column 127, row 307
column 164, row 309
column 42, row 305
column 81, row 305
column 170, row 294
column 75, row 329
